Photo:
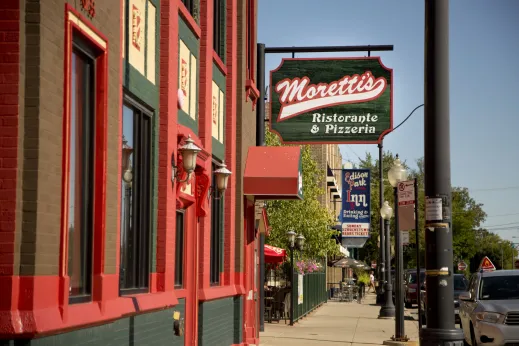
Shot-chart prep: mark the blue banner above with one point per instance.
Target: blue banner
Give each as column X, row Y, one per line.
column 356, row 206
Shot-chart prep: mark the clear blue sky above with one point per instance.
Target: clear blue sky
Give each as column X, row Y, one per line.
column 484, row 87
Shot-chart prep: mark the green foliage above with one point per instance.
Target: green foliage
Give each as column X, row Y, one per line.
column 501, row 252
column 467, row 216
column 307, row 217
column 363, row 278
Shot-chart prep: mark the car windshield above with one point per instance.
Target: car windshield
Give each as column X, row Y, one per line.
column 460, row 283
column 499, row 288
column 412, row 278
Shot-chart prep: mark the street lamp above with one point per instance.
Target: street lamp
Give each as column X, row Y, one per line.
column 396, row 174
column 293, row 243
column 388, row 309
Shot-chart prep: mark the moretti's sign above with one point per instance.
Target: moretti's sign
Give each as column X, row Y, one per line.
column 337, row 100
column 356, row 207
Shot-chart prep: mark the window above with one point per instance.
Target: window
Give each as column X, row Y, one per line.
column 219, row 28
column 192, row 7
column 135, row 198
column 499, row 287
column 250, row 38
column 179, row 250
column 216, row 231
column 81, row 169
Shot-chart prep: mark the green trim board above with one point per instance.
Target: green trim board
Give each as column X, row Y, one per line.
column 213, row 329
column 331, row 100
column 153, row 328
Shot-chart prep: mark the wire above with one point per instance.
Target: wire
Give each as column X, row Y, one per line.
column 495, row 189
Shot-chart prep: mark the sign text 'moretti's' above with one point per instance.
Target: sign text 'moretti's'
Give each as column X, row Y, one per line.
column 298, row 96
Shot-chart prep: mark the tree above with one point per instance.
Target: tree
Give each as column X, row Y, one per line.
column 467, row 214
column 307, row 217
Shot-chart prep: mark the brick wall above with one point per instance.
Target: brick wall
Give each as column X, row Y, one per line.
column 245, row 130
column 214, row 329
column 42, row 138
column 9, row 123
column 155, row 328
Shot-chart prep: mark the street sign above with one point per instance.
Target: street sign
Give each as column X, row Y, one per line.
column 406, row 193
column 486, row 265
column 516, row 264
column 462, row 266
column 405, row 237
column 373, row 264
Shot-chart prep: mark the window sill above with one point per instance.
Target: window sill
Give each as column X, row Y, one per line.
column 216, row 292
column 181, row 293
column 251, row 92
column 190, row 21
column 219, row 63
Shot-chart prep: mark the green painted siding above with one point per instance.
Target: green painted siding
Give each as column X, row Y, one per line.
column 219, row 147
column 186, row 35
column 154, row 329
column 139, row 87
column 213, row 330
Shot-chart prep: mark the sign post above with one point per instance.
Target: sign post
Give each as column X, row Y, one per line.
column 408, row 219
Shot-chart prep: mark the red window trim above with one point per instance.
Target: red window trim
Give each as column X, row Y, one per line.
column 250, row 8
column 251, row 92
column 100, row 154
column 218, row 61
column 190, row 21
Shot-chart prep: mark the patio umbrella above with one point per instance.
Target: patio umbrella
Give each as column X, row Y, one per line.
column 347, row 263
column 274, row 254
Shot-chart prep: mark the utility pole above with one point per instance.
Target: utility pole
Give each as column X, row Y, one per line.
column 440, row 329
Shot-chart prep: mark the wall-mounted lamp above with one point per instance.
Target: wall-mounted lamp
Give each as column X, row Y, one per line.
column 189, row 152
column 126, row 164
column 222, row 177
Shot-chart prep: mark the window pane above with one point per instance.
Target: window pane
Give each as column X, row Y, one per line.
column 179, row 250
column 80, row 179
column 135, row 199
column 127, row 275
column 216, row 232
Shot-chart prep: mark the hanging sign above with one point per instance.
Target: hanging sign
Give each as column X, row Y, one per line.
column 331, row 100
column 356, row 207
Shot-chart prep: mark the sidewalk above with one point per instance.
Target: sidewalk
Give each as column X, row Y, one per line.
column 338, row 323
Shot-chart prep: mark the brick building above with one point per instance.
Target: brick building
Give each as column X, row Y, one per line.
column 111, row 231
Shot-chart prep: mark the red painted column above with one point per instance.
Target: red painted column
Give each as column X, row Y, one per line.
column 205, row 127
column 230, row 139
column 167, row 145
column 9, row 113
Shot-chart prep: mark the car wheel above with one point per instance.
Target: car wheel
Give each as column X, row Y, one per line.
column 408, row 305
column 424, row 322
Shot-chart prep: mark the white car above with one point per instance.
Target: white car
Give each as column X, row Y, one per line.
column 489, row 311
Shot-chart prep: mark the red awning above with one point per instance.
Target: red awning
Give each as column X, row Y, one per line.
column 273, row 173
column 274, row 254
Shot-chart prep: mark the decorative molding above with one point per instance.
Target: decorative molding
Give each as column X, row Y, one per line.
column 202, row 189
column 89, row 6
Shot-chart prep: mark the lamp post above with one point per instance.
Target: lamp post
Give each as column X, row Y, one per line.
column 396, row 174
column 293, row 243
column 388, row 308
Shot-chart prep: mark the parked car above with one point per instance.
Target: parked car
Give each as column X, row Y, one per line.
column 411, row 289
column 489, row 311
column 461, row 286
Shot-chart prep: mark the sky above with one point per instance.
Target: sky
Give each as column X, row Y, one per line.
column 484, row 70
